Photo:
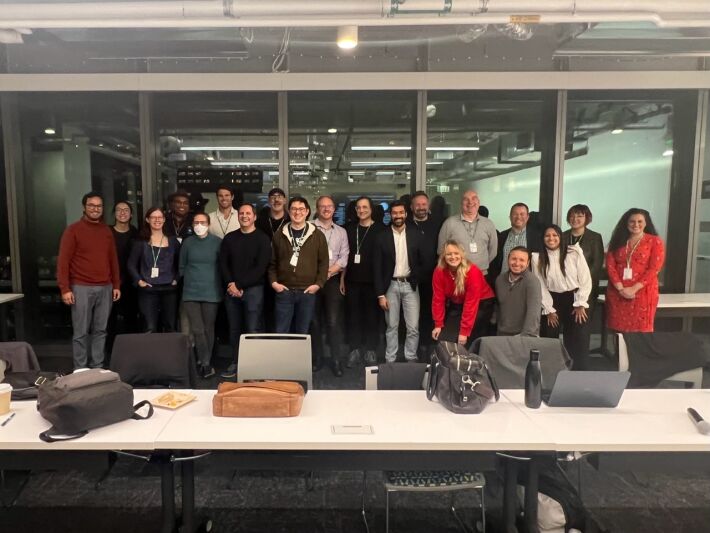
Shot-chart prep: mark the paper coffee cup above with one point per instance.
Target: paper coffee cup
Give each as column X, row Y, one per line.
column 5, row 393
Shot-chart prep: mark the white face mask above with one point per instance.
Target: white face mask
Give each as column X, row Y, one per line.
column 200, row 230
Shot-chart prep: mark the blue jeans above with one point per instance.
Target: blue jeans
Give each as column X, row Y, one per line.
column 89, row 316
column 294, row 311
column 158, row 305
column 245, row 314
column 401, row 293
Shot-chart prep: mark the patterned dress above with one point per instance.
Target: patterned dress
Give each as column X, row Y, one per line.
column 646, row 262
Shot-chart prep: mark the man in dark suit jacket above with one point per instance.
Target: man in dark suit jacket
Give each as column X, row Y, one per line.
column 519, row 234
column 397, row 265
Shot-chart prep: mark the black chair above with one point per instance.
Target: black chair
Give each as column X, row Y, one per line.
column 154, row 360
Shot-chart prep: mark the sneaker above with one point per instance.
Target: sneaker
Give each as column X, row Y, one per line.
column 353, row 358
column 231, row 371
column 370, row 358
column 207, row 371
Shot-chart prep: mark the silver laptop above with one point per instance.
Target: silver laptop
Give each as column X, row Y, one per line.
column 586, row 389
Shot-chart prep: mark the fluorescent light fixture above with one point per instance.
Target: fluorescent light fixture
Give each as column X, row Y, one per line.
column 332, row 130
column 347, row 37
column 237, row 148
column 50, row 131
column 356, row 172
column 329, row 158
column 617, row 131
column 668, row 153
column 244, row 163
column 405, row 148
column 385, row 173
column 390, row 163
column 301, row 173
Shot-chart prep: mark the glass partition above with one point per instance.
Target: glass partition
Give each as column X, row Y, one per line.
column 72, row 143
column 490, row 141
column 352, row 144
column 702, row 255
column 208, row 139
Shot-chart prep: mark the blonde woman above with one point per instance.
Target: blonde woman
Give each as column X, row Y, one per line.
column 459, row 289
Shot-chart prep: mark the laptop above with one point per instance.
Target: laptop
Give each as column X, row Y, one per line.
column 586, row 389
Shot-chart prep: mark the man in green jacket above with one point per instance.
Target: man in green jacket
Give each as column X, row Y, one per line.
column 298, row 269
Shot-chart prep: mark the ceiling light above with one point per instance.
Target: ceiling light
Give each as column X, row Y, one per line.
column 244, row 163
column 617, row 131
column 50, row 131
column 668, row 153
column 329, row 158
column 239, row 148
column 374, row 148
column 347, row 37
column 332, row 130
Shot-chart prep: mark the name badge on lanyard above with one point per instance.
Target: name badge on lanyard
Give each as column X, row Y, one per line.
column 154, row 272
column 628, row 273
column 294, row 260
column 473, row 247
column 356, row 260
column 330, row 254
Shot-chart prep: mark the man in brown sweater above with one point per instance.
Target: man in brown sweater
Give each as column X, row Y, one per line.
column 298, row 269
column 89, row 280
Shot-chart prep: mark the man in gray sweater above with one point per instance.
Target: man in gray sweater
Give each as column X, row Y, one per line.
column 519, row 296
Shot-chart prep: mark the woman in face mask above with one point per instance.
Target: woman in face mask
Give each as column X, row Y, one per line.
column 201, row 291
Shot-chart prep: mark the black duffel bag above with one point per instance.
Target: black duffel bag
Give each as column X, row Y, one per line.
column 76, row 403
column 460, row 380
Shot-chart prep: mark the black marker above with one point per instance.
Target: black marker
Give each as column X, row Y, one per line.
column 700, row 424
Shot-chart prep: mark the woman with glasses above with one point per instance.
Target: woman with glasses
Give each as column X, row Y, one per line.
column 153, row 266
column 565, row 283
column 633, row 262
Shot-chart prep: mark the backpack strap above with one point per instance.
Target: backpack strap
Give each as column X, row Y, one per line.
column 51, row 435
column 138, row 407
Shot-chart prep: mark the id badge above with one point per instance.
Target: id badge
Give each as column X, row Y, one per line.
column 179, row 239
column 357, row 259
column 294, row 260
column 628, row 273
column 330, row 254
column 473, row 247
column 154, row 272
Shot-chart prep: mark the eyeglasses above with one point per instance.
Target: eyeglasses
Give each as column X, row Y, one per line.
column 298, row 209
column 94, row 206
column 123, row 210
column 156, row 218
column 277, row 195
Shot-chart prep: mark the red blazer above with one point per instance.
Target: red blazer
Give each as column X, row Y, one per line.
column 476, row 289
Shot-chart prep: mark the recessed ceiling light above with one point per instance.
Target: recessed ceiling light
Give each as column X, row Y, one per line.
column 329, row 158
column 668, row 153
column 50, row 131
column 616, row 131
column 332, row 130
column 347, row 37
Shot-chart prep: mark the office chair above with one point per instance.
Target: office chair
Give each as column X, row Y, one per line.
column 154, row 360
column 692, row 376
column 413, row 376
column 275, row 356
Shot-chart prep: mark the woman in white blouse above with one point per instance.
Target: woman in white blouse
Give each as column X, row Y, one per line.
column 566, row 282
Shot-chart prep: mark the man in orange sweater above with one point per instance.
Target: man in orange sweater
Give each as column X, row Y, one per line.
column 89, row 280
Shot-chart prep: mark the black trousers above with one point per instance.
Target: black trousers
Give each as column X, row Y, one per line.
column 575, row 337
column 363, row 315
column 426, row 320
column 452, row 321
column 328, row 320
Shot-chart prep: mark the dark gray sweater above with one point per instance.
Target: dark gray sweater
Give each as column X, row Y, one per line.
column 519, row 305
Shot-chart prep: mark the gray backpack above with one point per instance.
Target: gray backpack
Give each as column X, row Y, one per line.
column 76, row 403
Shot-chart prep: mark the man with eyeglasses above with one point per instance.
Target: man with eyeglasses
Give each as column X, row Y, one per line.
column 89, row 280
column 328, row 317
column 298, row 269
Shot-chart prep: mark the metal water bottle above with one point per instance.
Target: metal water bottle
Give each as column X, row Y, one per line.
column 533, row 381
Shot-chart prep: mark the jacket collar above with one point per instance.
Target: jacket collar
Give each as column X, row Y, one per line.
column 310, row 229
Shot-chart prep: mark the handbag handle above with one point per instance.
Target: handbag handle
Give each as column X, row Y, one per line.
column 139, row 406
column 51, row 435
column 431, row 383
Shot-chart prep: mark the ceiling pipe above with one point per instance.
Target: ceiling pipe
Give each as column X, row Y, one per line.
column 315, row 13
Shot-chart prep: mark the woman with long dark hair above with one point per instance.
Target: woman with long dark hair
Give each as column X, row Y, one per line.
column 153, row 266
column 458, row 290
column 635, row 257
column 565, row 282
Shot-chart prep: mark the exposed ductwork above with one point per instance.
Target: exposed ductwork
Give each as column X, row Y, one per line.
column 313, row 13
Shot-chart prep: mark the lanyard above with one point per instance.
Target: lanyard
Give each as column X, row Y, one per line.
column 358, row 243
column 271, row 225
column 219, row 220
column 297, row 242
column 629, row 255
column 467, row 226
column 152, row 252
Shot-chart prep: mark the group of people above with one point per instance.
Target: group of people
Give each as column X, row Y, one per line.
column 288, row 272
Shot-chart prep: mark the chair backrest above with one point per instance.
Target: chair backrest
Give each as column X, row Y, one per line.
column 397, row 376
column 154, row 360
column 507, row 358
column 20, row 356
column 623, row 353
column 275, row 356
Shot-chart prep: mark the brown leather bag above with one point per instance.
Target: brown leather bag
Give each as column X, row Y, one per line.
column 258, row 399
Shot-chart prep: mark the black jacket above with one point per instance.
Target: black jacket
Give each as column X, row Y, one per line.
column 533, row 238
column 384, row 259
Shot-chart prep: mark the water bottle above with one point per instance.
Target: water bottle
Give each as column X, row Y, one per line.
column 533, row 381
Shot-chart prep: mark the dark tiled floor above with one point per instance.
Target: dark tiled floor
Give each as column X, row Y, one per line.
column 129, row 499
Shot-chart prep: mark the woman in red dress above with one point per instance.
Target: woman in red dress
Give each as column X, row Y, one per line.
column 635, row 257
column 459, row 288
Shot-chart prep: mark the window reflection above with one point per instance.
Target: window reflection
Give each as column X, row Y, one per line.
column 5, row 268
column 488, row 141
column 352, row 144
column 206, row 139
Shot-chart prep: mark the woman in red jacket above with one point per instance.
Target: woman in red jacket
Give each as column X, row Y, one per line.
column 459, row 288
column 634, row 259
